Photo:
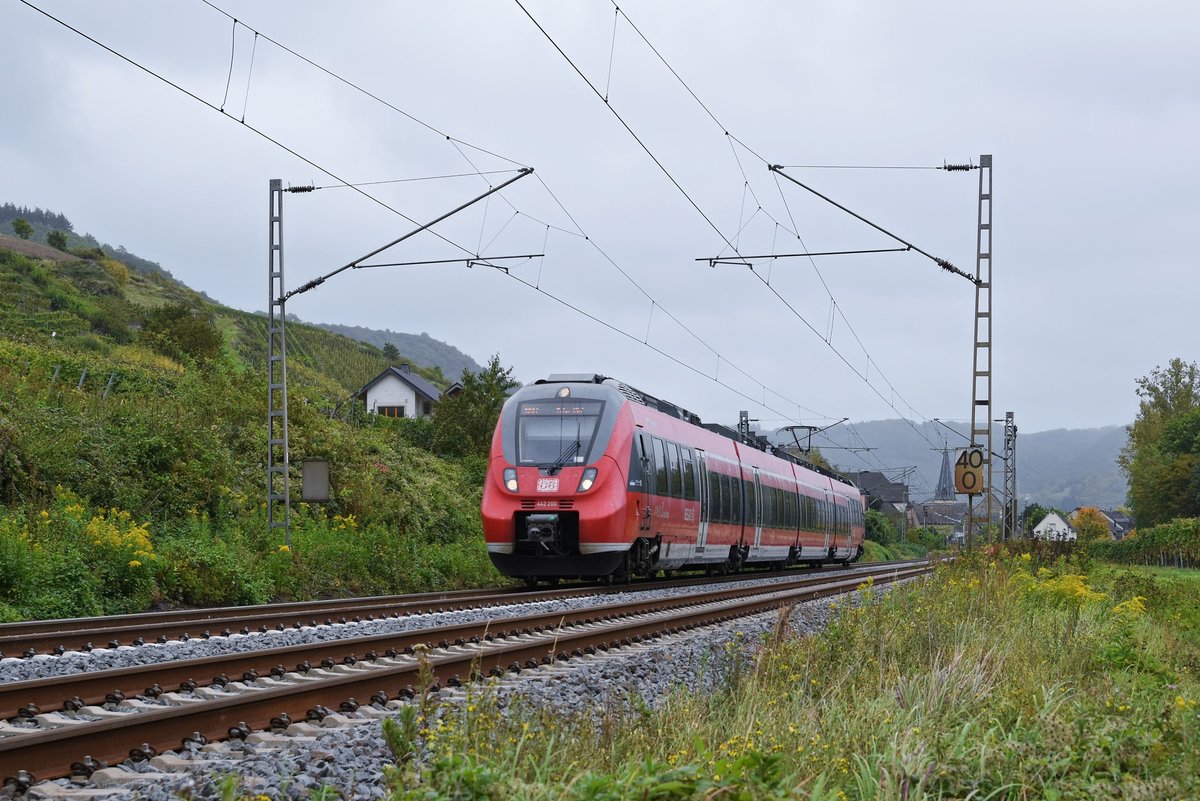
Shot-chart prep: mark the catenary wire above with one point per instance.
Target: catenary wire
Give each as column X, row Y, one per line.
column 245, row 124
column 348, row 184
column 456, row 142
column 725, row 130
column 413, row 180
column 358, row 88
column 625, row 125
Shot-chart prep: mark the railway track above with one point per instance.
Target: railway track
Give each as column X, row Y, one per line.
column 76, row 724
column 30, row 638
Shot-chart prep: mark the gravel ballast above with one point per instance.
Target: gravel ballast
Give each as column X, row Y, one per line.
column 46, row 665
column 351, row 755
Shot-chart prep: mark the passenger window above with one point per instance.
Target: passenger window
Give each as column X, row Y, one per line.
column 661, row 487
column 676, row 478
column 751, row 507
column 689, row 474
column 733, row 497
column 636, row 474
column 714, row 496
column 726, row 500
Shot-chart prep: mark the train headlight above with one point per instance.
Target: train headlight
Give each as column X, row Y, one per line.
column 587, row 480
column 510, row 479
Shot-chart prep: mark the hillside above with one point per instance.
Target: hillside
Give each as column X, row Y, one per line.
column 1064, row 468
column 422, row 348
column 444, row 362
column 97, row 303
column 132, row 448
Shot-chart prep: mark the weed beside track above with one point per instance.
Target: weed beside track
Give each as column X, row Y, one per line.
column 999, row 678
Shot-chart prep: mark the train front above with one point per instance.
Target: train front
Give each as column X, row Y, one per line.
column 554, row 498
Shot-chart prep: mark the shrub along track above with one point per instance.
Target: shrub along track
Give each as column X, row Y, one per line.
column 98, row 724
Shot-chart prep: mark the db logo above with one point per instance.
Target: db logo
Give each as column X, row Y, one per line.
column 547, row 485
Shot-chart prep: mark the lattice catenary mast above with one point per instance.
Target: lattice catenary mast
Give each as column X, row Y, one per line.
column 981, row 379
column 278, row 488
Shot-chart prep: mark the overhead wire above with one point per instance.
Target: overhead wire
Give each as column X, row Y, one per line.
column 457, row 143
column 860, row 167
column 358, row 88
column 245, row 124
column 730, row 244
column 794, row 230
column 625, row 124
column 417, row 179
column 357, row 187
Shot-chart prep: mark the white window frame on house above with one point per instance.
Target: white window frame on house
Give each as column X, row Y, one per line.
column 391, row 411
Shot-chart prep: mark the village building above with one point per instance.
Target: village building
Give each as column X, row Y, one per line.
column 399, row 392
column 1054, row 529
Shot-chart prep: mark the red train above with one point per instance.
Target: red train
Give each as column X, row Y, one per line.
column 589, row 477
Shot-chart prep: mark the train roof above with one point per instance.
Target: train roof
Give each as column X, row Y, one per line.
column 666, row 407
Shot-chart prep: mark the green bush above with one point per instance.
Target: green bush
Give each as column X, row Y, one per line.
column 1176, row 543
column 205, row 570
column 879, row 528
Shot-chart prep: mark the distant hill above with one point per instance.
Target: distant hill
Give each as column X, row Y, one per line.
column 421, row 347
column 1063, row 468
column 43, row 221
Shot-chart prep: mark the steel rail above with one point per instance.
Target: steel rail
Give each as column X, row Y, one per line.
column 61, row 692
column 53, row 636
column 50, row 753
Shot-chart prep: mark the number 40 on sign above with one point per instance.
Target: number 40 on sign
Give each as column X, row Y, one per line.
column 968, row 471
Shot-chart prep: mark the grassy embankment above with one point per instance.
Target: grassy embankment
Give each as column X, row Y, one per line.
column 999, row 678
column 155, row 493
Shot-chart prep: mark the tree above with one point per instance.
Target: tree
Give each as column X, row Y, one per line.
column 463, row 424
column 391, row 352
column 1162, row 457
column 181, row 332
column 57, row 239
column 879, row 528
column 22, row 228
column 814, row 456
column 1090, row 526
column 1031, row 515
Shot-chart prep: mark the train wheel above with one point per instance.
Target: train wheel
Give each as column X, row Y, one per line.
column 531, row 581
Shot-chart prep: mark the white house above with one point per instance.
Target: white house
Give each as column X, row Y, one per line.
column 1054, row 529
column 399, row 392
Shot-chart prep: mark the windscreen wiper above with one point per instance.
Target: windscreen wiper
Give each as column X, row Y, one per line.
column 570, row 451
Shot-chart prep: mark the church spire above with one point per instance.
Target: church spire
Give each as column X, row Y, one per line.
column 945, row 486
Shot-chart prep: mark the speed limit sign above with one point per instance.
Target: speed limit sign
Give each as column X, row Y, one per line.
column 968, row 471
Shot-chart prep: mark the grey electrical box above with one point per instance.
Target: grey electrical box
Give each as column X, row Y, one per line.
column 315, row 481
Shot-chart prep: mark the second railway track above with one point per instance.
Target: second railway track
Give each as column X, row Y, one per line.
column 109, row 716
column 30, row 638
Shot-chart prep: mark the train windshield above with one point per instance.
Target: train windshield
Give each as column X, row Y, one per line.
column 557, row 433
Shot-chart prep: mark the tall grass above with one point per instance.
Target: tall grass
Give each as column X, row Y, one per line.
column 998, row 678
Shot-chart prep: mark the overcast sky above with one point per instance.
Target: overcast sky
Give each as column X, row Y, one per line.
column 1091, row 110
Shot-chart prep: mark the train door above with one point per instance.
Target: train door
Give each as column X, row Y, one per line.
column 758, row 504
column 660, row 501
column 641, row 479
column 827, row 521
column 702, row 493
